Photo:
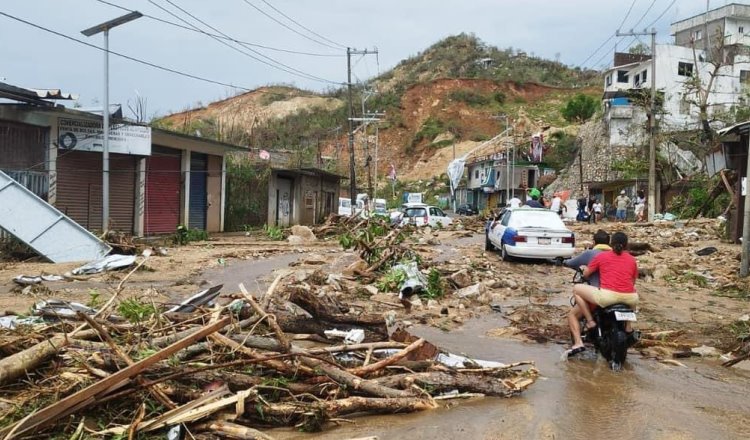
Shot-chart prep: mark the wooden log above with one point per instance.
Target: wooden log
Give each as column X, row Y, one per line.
column 367, row 369
column 90, row 394
column 441, row 381
column 252, row 354
column 232, row 430
column 355, row 383
column 313, row 415
column 19, row 364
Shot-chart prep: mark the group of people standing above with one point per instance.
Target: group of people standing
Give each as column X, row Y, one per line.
column 590, row 209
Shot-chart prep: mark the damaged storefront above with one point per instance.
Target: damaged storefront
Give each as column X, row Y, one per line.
column 158, row 179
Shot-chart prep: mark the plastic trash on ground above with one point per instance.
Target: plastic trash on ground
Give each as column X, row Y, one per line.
column 415, row 281
column 201, row 298
column 26, row 280
column 56, row 308
column 110, row 262
column 353, row 336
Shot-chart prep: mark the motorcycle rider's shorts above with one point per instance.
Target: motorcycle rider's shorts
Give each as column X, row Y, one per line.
column 604, row 298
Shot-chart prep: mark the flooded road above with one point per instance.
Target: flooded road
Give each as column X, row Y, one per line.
column 577, row 399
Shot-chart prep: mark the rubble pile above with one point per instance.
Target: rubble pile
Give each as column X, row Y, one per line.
column 299, row 354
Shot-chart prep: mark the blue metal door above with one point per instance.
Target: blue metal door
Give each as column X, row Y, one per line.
column 198, row 197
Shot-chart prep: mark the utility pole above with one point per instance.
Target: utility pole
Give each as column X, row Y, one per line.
column 651, row 121
column 352, row 175
column 507, row 158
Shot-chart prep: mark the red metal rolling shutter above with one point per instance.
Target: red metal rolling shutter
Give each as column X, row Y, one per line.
column 79, row 189
column 162, row 191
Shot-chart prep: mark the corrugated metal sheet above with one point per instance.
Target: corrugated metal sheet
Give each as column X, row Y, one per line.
column 44, row 228
column 198, row 191
column 162, row 191
column 35, row 181
column 23, row 146
column 79, row 189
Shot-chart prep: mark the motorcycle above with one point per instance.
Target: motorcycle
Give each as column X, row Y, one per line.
column 609, row 336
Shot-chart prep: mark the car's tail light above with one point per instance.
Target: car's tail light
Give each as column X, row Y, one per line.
column 571, row 240
column 519, row 239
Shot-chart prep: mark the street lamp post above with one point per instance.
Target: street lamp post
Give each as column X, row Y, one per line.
column 105, row 27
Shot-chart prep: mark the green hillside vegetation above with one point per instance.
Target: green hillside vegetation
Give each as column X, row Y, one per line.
column 465, row 56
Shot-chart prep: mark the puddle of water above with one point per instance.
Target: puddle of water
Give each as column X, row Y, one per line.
column 249, row 272
column 577, row 399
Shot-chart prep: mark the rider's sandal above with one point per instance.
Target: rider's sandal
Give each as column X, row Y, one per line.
column 590, row 325
column 575, row 351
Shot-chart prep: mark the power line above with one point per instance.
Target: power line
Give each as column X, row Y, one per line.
column 653, row 2
column 662, row 14
column 626, row 15
column 303, row 27
column 261, row 46
column 284, row 68
column 597, row 50
column 288, row 27
column 121, row 55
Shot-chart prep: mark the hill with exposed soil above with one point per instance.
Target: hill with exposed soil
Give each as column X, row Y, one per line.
column 457, row 93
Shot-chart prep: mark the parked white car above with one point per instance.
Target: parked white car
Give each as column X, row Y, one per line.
column 423, row 215
column 530, row 233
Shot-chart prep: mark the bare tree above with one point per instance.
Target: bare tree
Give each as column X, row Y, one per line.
column 139, row 108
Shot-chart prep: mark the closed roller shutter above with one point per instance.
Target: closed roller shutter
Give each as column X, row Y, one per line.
column 162, row 191
column 79, row 189
column 198, row 191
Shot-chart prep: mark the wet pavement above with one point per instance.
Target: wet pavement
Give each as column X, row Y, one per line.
column 576, row 399
column 256, row 275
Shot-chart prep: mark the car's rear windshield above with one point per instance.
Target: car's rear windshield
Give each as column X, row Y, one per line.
column 345, row 203
column 415, row 212
column 536, row 219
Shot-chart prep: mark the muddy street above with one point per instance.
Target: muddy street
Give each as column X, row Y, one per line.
column 692, row 314
column 578, row 399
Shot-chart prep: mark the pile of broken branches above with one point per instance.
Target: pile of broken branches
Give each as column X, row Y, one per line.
column 229, row 369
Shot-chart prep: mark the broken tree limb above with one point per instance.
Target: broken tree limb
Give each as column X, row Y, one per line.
column 89, row 395
column 266, row 299
column 343, row 377
column 17, row 365
column 367, row 369
column 156, row 390
column 441, row 381
column 269, row 317
column 252, row 354
column 311, row 416
column 223, row 428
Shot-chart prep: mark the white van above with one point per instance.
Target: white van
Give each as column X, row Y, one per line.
column 345, row 207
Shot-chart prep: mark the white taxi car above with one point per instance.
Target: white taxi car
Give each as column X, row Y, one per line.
column 529, row 233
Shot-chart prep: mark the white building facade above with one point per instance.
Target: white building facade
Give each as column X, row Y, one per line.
column 678, row 66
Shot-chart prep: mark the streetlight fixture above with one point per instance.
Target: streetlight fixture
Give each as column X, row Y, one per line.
column 105, row 27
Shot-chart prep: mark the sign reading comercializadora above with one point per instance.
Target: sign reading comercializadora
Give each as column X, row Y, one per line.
column 86, row 135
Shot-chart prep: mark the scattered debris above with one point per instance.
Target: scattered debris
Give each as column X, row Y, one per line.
column 110, row 262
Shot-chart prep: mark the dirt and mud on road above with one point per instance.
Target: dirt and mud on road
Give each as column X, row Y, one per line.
column 693, row 314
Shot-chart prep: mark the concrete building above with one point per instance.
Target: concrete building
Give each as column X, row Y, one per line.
column 158, row 179
column 488, row 178
column 304, row 196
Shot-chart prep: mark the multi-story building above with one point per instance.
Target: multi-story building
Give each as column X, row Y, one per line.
column 678, row 66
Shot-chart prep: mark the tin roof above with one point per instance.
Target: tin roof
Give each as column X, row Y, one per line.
column 32, row 96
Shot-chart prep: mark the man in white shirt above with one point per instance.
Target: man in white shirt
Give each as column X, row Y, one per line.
column 556, row 205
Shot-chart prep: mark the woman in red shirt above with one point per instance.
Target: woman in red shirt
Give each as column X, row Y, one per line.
column 618, row 271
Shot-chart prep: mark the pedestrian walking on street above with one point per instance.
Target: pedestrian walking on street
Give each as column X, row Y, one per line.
column 640, row 206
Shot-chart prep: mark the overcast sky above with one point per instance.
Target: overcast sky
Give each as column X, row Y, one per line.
column 30, row 57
